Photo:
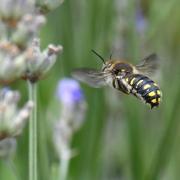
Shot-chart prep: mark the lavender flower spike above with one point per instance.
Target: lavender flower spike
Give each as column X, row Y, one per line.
column 12, row 120
column 69, row 92
column 73, row 109
column 73, row 105
column 141, row 22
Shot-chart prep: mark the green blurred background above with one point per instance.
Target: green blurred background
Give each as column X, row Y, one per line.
column 121, row 139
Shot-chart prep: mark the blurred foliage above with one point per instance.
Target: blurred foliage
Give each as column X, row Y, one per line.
column 122, row 138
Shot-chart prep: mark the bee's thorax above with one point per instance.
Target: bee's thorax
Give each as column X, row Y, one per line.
column 118, row 67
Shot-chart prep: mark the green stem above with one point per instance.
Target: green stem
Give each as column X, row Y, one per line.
column 33, row 133
column 64, row 168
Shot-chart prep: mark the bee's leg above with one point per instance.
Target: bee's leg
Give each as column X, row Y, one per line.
column 121, row 86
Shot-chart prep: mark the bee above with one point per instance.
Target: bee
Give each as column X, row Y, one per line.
column 125, row 77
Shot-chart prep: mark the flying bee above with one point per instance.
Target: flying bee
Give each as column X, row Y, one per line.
column 125, row 77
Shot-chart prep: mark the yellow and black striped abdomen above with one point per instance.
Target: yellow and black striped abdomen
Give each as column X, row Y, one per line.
column 145, row 89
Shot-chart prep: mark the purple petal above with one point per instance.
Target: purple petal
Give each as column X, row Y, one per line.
column 69, row 91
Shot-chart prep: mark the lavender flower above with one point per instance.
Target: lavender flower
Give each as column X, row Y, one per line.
column 27, row 29
column 73, row 109
column 12, row 62
column 39, row 63
column 69, row 92
column 141, row 22
column 19, row 56
column 11, row 11
column 12, row 119
column 72, row 101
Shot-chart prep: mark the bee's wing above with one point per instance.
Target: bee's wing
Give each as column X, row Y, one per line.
column 91, row 77
column 148, row 65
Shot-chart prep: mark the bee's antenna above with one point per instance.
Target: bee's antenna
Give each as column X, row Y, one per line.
column 98, row 55
column 110, row 56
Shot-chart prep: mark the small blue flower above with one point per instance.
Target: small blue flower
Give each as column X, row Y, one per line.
column 72, row 115
column 69, row 91
column 141, row 22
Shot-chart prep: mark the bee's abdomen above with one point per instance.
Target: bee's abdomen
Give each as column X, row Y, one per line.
column 145, row 89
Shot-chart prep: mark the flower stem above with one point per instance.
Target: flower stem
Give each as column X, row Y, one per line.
column 64, row 169
column 64, row 165
column 32, row 87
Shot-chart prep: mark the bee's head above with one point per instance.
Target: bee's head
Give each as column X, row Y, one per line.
column 108, row 65
column 117, row 67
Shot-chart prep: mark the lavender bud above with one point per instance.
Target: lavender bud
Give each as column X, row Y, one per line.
column 8, row 48
column 12, row 10
column 49, row 56
column 27, row 29
column 12, row 68
column 39, row 63
column 12, row 120
column 20, row 119
column 13, row 63
column 45, row 6
column 9, row 97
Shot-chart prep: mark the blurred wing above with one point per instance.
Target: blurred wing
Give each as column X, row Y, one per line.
column 148, row 65
column 91, row 77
